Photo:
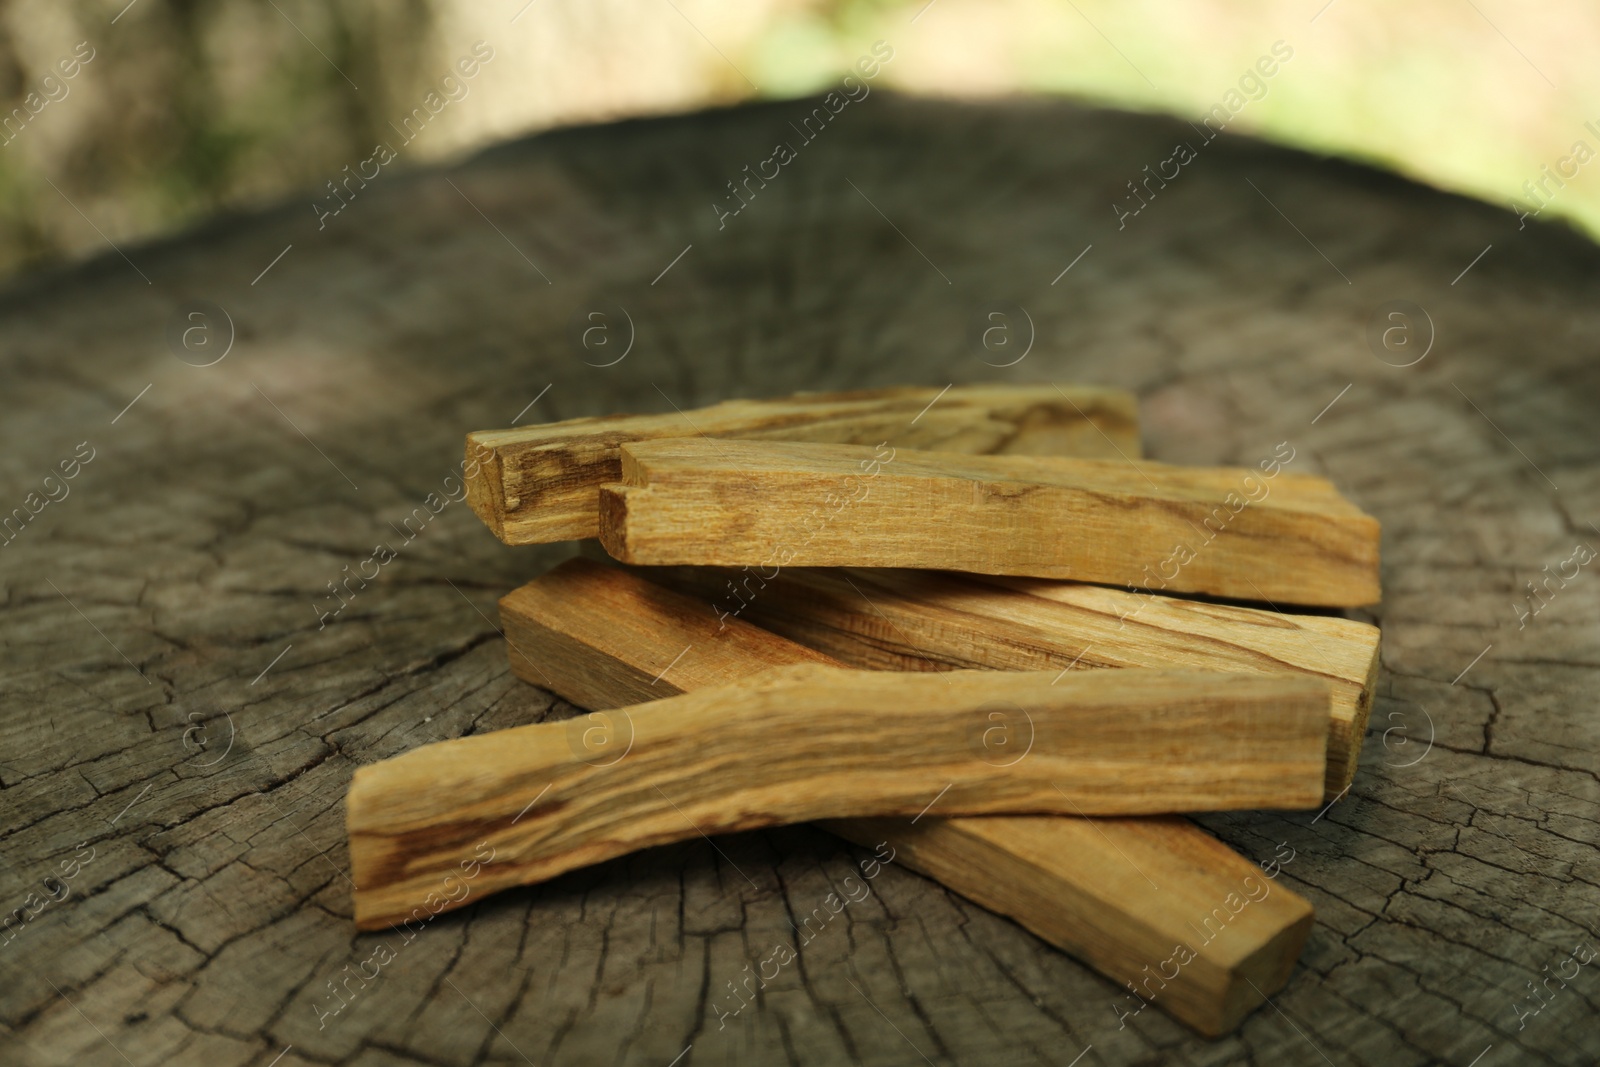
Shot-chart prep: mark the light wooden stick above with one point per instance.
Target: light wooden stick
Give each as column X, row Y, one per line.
column 907, row 620
column 1119, row 894
column 808, row 742
column 533, row 484
column 1146, row 525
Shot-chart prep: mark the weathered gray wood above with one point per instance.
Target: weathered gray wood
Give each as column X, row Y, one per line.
column 215, row 912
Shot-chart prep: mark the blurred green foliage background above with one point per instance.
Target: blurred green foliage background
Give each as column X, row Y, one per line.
column 177, row 110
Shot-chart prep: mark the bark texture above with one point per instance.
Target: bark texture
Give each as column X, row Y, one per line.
column 186, row 698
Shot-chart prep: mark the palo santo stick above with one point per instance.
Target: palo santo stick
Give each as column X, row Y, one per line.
column 907, row 620
column 1190, row 529
column 1118, row 894
column 808, row 742
column 533, row 484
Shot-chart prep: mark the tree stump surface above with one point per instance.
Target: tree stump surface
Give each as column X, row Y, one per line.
column 184, row 709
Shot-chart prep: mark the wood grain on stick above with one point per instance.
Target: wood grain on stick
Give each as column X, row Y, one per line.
column 533, row 484
column 910, row 620
column 1118, row 894
column 1231, row 532
column 793, row 744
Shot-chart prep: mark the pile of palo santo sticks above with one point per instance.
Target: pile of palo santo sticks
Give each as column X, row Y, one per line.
column 885, row 610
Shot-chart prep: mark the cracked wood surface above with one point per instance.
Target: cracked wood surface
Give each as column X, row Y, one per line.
column 187, row 699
